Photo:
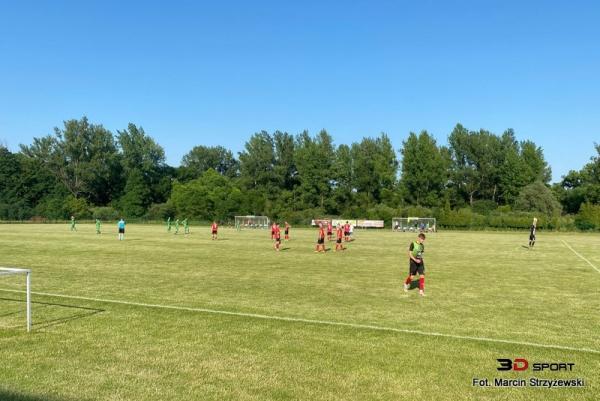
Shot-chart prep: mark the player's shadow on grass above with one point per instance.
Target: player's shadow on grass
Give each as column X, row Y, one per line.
column 413, row 285
column 79, row 312
column 287, row 248
column 7, row 395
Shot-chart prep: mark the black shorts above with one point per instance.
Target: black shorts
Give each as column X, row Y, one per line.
column 121, row 231
column 346, row 233
column 287, row 232
column 339, row 240
column 278, row 240
column 329, row 233
column 321, row 241
column 214, row 232
column 532, row 237
column 416, row 268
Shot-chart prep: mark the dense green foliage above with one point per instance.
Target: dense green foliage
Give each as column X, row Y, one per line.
column 478, row 175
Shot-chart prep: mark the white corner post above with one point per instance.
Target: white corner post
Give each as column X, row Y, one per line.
column 28, row 300
column 7, row 271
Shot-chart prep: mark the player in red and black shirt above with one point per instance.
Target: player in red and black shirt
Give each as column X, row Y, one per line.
column 213, row 229
column 416, row 264
column 329, row 230
column 273, row 227
column 339, row 232
column 277, row 237
column 287, row 231
column 321, row 239
column 346, row 232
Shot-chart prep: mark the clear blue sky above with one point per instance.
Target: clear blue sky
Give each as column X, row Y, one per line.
column 215, row 72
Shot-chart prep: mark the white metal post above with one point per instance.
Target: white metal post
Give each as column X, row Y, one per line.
column 29, row 301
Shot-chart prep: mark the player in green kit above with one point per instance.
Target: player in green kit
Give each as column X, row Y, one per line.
column 177, row 226
column 416, row 264
column 73, row 228
column 98, row 226
column 186, row 226
column 169, row 224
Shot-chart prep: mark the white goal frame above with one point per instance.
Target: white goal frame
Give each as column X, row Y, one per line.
column 414, row 224
column 257, row 222
column 8, row 271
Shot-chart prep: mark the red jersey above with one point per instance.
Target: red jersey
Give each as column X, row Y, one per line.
column 277, row 233
column 214, row 227
column 340, row 233
column 321, row 233
column 347, row 228
column 329, row 227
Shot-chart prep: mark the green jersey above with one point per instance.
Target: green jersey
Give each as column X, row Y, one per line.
column 417, row 250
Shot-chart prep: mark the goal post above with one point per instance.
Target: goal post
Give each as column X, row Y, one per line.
column 251, row 222
column 9, row 271
column 414, row 224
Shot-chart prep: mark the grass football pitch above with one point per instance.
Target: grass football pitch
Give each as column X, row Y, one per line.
column 173, row 317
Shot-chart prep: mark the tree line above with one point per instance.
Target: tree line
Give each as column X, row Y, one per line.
column 478, row 178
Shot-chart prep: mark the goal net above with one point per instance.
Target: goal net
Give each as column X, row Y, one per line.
column 5, row 272
column 251, row 222
column 414, row 224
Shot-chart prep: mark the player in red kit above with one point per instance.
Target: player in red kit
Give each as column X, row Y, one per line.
column 346, row 232
column 329, row 230
column 287, row 231
column 321, row 239
column 273, row 227
column 213, row 229
column 339, row 232
column 277, row 237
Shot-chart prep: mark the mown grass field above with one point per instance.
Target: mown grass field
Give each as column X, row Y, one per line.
column 543, row 305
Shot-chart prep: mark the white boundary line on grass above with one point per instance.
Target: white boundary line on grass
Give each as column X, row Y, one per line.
column 316, row 322
column 580, row 256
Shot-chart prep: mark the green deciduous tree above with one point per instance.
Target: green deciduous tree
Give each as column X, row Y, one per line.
column 537, row 197
column 257, row 163
column 83, row 157
column 202, row 158
column 424, row 170
column 314, row 160
column 374, row 168
column 136, row 197
column 210, row 197
column 143, row 158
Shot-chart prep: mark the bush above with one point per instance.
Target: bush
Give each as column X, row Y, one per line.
column 414, row 211
column 512, row 220
column 161, row 211
column 588, row 217
column 484, row 206
column 105, row 213
column 52, row 208
column 462, row 218
column 77, row 207
column 381, row 212
column 15, row 211
column 537, row 197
